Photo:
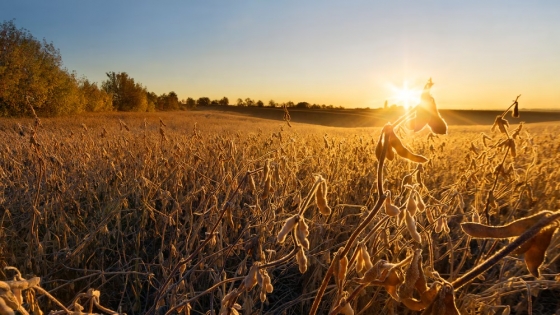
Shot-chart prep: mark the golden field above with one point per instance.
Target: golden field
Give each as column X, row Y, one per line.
column 179, row 212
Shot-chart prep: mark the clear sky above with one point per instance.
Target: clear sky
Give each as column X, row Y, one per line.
column 480, row 54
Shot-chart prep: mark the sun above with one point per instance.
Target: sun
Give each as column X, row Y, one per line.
column 405, row 96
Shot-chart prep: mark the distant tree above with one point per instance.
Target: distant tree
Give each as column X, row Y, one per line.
column 316, row 106
column 240, row 102
column 302, row 105
column 152, row 101
column 214, row 102
column 272, row 103
column 203, row 101
column 249, row 102
column 168, row 101
column 260, row 103
column 96, row 100
column 224, row 101
column 290, row 104
column 127, row 95
column 190, row 103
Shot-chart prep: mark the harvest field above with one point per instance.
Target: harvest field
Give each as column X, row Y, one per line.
column 208, row 213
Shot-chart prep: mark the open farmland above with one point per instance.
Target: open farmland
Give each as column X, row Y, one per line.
column 181, row 212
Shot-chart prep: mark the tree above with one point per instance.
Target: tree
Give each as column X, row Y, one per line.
column 152, row 101
column 127, row 95
column 240, row 102
column 224, row 101
column 168, row 101
column 260, row 103
column 272, row 103
column 31, row 73
column 190, row 103
column 96, row 100
column 290, row 104
column 203, row 101
column 302, row 105
column 249, row 102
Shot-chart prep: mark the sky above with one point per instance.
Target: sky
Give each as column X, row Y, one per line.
column 480, row 54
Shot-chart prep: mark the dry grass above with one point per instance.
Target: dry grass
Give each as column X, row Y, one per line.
column 180, row 212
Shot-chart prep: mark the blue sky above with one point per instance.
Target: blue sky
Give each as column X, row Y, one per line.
column 480, row 54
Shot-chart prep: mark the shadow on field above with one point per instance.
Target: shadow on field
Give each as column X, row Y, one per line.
column 377, row 117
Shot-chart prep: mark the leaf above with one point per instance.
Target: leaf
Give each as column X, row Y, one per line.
column 401, row 150
column 534, row 256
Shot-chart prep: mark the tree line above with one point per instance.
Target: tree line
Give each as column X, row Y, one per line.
column 32, row 74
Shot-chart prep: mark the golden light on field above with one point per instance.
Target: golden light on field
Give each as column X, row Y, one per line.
column 405, row 96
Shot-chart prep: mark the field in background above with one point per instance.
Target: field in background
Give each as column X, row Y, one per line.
column 351, row 118
column 116, row 201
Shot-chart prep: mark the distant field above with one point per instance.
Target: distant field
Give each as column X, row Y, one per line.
column 376, row 117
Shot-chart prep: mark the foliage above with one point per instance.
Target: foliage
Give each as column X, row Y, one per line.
column 127, row 95
column 31, row 74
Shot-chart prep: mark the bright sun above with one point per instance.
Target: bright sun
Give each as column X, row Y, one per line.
column 405, row 96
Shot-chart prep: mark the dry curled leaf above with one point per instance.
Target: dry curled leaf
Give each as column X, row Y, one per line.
column 444, row 302
column 385, row 274
column 404, row 152
column 427, row 113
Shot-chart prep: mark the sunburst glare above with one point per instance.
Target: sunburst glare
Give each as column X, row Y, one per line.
column 405, row 96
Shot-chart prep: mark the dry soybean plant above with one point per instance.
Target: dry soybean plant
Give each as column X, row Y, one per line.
column 173, row 213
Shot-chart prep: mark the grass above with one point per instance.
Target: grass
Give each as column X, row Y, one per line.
column 180, row 212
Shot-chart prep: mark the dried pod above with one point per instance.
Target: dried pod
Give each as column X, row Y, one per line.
column 301, row 260
column 401, row 217
column 342, row 269
column 251, row 279
column 515, row 111
column 363, row 259
column 360, row 263
column 287, row 228
column 420, row 203
column 267, row 187
column 266, row 172
column 390, row 209
column 411, row 204
column 302, row 232
column 512, row 229
column 512, row 149
column 441, row 224
column 365, row 256
column 411, row 226
column 321, row 199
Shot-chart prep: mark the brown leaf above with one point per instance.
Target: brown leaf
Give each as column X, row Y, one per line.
column 534, row 256
column 401, row 150
column 444, row 303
